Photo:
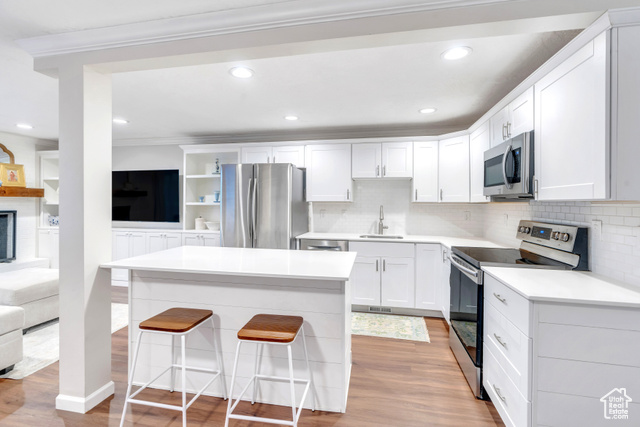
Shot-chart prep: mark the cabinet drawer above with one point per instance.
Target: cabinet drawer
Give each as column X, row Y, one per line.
column 513, row 408
column 510, row 347
column 508, row 302
column 391, row 250
column 597, row 317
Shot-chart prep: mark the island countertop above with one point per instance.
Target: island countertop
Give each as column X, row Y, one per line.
column 278, row 263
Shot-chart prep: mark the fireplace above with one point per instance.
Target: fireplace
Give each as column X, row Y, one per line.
column 7, row 236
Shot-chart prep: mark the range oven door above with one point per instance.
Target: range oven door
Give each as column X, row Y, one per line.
column 508, row 168
column 465, row 336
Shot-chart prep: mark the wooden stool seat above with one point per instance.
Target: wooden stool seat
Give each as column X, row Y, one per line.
column 176, row 320
column 271, row 328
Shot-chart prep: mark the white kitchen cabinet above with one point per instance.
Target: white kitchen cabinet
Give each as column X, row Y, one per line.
column 425, row 172
column 127, row 244
column 382, row 160
column 200, row 239
column 49, row 245
column 384, row 274
column 444, row 294
column 289, row 154
column 514, row 119
column 479, row 142
column 365, row 281
column 329, row 173
column 453, row 171
column 428, row 269
column 162, row 241
column 571, row 118
column 274, row 154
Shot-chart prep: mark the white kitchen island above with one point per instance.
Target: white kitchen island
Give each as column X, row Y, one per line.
column 236, row 284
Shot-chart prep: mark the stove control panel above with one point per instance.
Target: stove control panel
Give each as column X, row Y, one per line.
column 557, row 236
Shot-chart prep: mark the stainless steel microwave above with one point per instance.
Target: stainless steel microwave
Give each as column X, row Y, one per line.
column 508, row 169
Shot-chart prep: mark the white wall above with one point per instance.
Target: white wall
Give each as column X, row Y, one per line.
column 616, row 255
column 402, row 216
column 24, row 150
column 147, row 157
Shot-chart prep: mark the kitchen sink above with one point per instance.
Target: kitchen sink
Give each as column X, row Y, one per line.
column 380, row 236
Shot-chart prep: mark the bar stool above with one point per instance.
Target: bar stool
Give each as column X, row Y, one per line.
column 175, row 322
column 272, row 330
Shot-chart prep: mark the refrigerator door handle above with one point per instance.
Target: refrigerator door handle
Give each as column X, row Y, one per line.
column 254, row 207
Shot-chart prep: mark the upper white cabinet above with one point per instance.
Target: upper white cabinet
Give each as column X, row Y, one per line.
column 382, row 160
column 329, row 173
column 49, row 245
column 479, row 142
column 425, row 172
column 274, row 154
column 514, row 119
column 571, row 137
column 453, row 169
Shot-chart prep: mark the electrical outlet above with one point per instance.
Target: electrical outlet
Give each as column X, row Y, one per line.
column 596, row 229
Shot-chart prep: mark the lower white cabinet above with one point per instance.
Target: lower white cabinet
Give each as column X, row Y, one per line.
column 383, row 274
column 428, row 277
column 161, row 241
column 445, row 288
column 127, row 244
column 200, row 239
column 48, row 246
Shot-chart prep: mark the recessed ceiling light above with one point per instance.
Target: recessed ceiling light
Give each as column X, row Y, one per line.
column 120, row 121
column 24, row 126
column 456, row 53
column 428, row 110
column 241, row 72
column 291, row 118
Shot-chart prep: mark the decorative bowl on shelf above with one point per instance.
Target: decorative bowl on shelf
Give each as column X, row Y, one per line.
column 213, row 225
column 53, row 220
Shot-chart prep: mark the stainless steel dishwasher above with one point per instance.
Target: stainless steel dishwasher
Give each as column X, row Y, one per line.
column 324, row 245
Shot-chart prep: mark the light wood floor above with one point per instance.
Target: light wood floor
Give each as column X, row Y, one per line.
column 393, row 383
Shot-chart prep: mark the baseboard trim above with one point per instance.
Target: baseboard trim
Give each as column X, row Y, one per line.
column 82, row 405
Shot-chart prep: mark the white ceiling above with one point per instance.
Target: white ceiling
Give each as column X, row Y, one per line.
column 368, row 89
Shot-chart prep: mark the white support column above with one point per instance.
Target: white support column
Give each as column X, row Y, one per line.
column 85, row 238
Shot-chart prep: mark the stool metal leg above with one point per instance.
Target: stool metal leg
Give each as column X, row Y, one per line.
column 293, row 391
column 133, row 370
column 173, row 362
column 259, row 349
column 233, row 380
column 183, row 340
column 219, row 360
column 312, row 384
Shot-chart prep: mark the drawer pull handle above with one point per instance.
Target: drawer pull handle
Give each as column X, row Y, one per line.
column 503, row 300
column 504, row 399
column 502, row 343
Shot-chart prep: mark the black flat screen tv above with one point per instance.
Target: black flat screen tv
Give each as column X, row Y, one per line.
column 146, row 196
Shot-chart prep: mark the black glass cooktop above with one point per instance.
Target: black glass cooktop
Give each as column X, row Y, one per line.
column 479, row 257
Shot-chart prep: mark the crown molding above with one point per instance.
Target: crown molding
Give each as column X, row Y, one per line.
column 231, row 21
column 345, row 133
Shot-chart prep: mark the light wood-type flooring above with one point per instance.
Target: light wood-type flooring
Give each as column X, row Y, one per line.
column 393, row 383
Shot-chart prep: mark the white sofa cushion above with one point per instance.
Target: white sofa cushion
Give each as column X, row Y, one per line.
column 30, row 284
column 11, row 319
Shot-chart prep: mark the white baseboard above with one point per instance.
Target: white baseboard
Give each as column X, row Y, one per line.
column 83, row 405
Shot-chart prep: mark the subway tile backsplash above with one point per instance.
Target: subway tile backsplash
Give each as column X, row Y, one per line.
column 615, row 253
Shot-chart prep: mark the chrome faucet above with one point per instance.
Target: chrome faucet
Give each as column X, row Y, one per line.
column 381, row 226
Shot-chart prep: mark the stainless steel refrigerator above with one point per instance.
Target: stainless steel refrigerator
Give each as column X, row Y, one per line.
column 263, row 205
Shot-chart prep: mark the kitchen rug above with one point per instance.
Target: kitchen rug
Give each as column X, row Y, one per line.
column 41, row 343
column 390, row 326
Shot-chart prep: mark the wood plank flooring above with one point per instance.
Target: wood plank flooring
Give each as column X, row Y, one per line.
column 393, row 383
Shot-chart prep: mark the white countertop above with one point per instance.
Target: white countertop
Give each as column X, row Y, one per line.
column 312, row 265
column 407, row 238
column 581, row 287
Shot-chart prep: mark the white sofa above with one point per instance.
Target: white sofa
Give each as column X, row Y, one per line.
column 33, row 289
column 11, row 324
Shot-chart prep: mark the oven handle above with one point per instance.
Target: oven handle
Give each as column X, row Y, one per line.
column 504, row 166
column 473, row 274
